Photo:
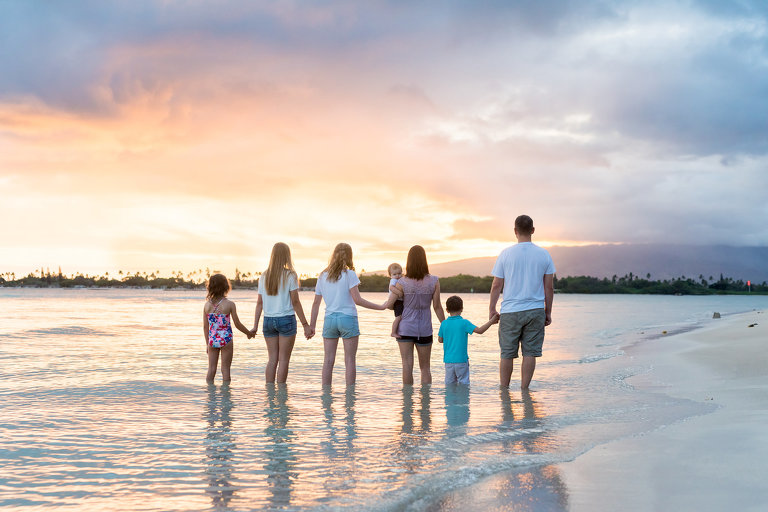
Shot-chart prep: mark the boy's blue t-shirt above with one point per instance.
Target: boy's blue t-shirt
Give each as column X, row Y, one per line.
column 455, row 332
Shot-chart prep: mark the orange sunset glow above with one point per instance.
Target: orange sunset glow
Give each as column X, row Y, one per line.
column 178, row 137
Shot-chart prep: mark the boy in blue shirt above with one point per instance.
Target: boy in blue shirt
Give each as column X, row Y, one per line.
column 454, row 335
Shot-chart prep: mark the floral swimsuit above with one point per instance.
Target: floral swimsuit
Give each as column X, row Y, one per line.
column 219, row 328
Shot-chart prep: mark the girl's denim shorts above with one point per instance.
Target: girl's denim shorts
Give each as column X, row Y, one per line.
column 279, row 325
column 339, row 325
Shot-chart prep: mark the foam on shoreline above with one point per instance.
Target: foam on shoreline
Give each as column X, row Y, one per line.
column 716, row 461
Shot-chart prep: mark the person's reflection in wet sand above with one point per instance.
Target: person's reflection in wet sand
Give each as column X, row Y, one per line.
column 425, row 413
column 340, row 447
column 219, row 446
column 280, row 453
column 336, row 447
column 349, row 417
column 540, row 487
column 412, row 436
column 530, row 488
column 457, row 408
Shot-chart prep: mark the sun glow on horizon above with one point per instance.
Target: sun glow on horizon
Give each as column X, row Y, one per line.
column 200, row 140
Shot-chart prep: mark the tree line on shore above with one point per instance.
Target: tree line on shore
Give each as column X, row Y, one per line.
column 627, row 284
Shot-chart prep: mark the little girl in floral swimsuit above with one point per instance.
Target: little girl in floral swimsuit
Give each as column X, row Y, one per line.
column 218, row 328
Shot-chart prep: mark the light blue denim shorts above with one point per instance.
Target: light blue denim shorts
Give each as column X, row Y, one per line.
column 279, row 325
column 339, row 325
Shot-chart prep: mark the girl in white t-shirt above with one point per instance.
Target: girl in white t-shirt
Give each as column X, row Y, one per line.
column 337, row 285
column 279, row 299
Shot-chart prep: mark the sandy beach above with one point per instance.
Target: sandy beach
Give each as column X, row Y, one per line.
column 716, row 461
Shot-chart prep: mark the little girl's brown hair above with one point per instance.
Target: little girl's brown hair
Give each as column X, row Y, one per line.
column 218, row 286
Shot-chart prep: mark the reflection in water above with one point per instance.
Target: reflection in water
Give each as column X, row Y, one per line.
column 527, row 409
column 280, row 456
column 425, row 420
column 457, row 406
column 219, row 446
column 342, row 471
column 414, row 435
column 59, row 450
column 532, row 487
column 540, row 488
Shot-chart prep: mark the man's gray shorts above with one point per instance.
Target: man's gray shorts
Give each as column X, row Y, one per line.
column 524, row 328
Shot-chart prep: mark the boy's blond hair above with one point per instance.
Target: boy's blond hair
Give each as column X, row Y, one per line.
column 393, row 266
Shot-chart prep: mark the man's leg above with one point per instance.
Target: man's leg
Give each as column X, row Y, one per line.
column 526, row 371
column 505, row 371
column 509, row 340
column 532, row 340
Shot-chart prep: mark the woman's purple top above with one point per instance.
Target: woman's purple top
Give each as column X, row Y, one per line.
column 416, row 319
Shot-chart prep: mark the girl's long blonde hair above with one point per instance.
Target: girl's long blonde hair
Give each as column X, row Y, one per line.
column 341, row 260
column 280, row 266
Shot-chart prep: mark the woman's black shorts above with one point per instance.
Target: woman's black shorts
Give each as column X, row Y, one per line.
column 419, row 340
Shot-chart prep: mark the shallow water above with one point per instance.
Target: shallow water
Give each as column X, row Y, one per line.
column 104, row 406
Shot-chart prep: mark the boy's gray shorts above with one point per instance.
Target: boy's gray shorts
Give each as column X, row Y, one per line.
column 457, row 372
column 524, row 328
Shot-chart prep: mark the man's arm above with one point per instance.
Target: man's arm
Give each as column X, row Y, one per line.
column 494, row 320
column 549, row 295
column 496, row 287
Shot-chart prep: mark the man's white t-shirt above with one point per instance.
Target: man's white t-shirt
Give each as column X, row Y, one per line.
column 523, row 266
column 336, row 293
column 280, row 304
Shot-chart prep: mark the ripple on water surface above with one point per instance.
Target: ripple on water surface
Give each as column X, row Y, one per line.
column 104, row 408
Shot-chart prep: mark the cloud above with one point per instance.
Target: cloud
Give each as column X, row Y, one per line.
column 488, row 230
column 389, row 123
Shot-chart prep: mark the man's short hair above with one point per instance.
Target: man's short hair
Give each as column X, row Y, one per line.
column 454, row 304
column 524, row 225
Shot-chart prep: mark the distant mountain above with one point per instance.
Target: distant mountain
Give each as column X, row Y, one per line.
column 660, row 261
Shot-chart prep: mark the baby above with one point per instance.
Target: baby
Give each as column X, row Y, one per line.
column 395, row 272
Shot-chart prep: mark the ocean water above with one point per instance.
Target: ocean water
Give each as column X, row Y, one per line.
column 104, row 406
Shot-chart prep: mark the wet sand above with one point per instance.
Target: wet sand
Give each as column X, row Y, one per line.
column 716, row 461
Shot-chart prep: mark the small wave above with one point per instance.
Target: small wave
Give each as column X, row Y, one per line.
column 422, row 491
column 671, row 332
column 600, row 357
column 69, row 330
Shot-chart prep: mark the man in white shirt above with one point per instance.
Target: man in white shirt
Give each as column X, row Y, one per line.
column 524, row 272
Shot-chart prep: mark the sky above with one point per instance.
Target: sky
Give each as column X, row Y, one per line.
column 176, row 135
